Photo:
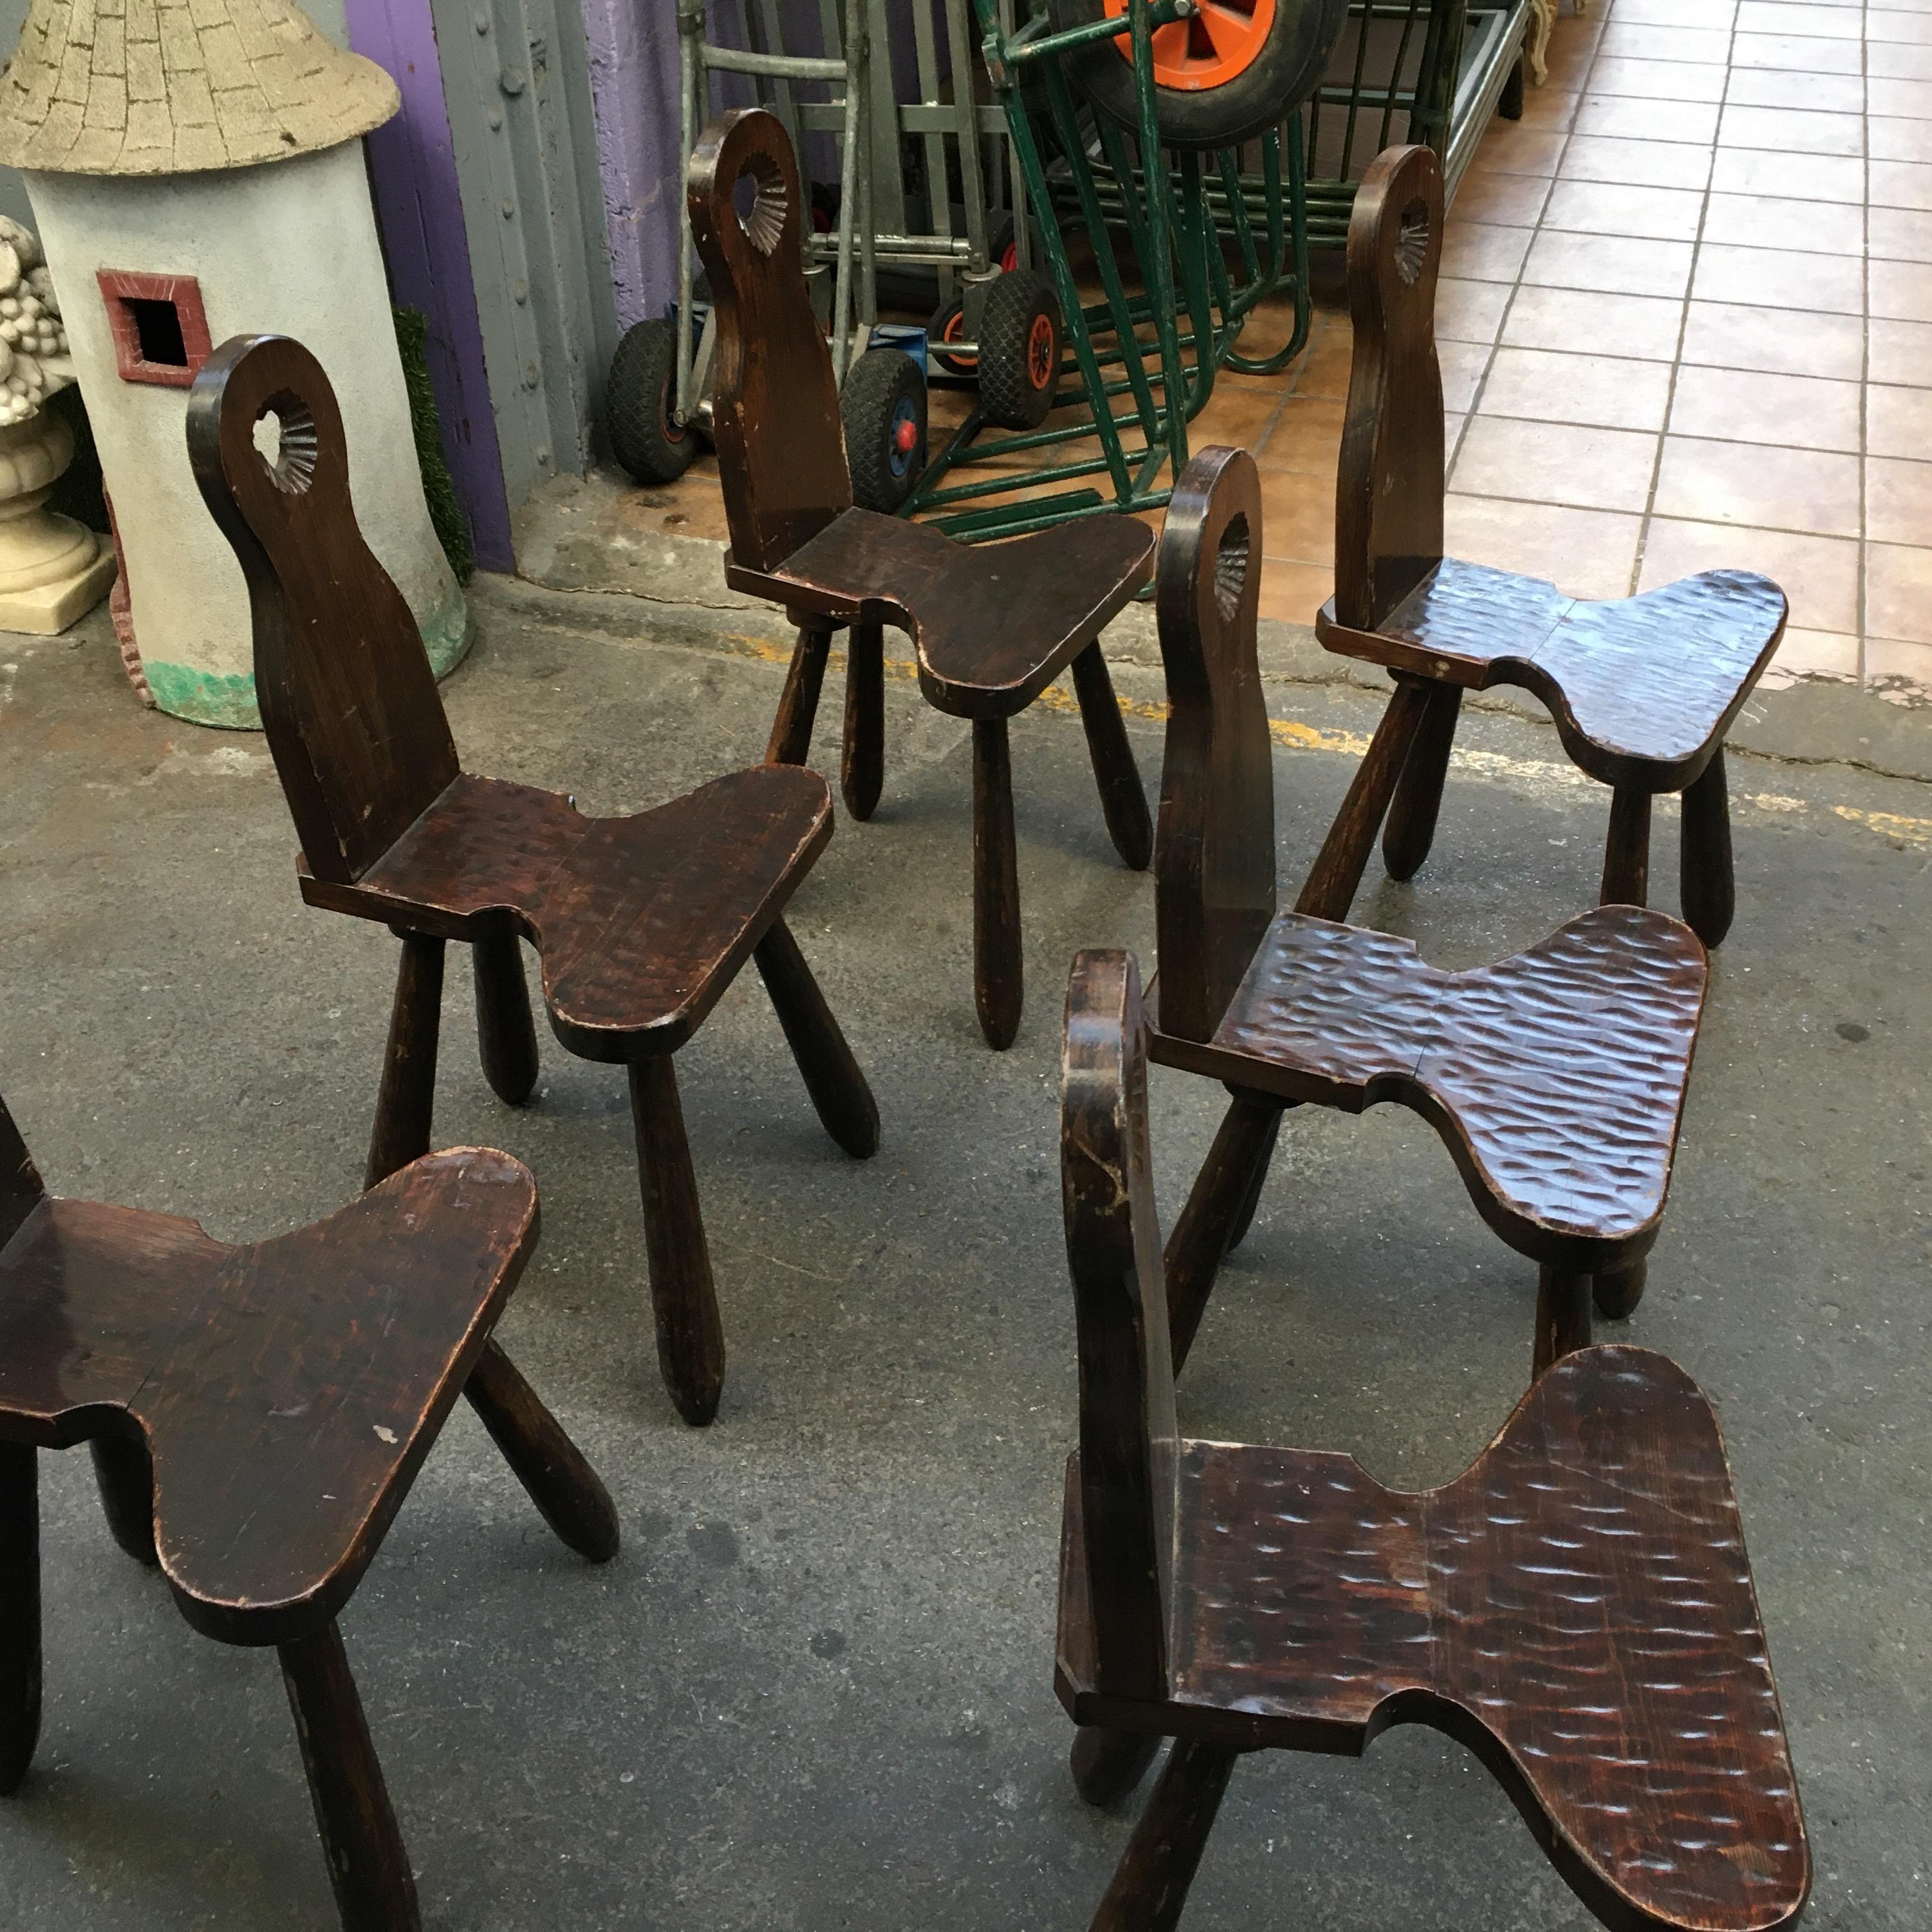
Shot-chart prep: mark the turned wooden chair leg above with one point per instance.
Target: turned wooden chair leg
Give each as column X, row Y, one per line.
column 1150, row 1887
column 798, row 708
column 125, row 1477
column 1411, row 829
column 998, row 987
column 1123, row 798
column 1330, row 890
column 1627, row 850
column 1221, row 1191
column 1107, row 1765
column 1562, row 1317
column 19, row 1611
column 691, row 1338
column 564, row 1487
column 1617, row 1295
column 1708, row 884
column 863, row 768
column 832, row 1076
column 506, row 1035
column 406, row 1101
column 368, row 1865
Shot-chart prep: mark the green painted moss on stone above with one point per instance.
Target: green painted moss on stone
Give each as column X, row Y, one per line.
column 228, row 702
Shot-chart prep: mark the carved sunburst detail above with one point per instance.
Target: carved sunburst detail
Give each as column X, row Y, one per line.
column 1411, row 243
column 1230, row 568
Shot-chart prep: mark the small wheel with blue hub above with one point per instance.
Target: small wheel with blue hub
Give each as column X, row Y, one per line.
column 883, row 406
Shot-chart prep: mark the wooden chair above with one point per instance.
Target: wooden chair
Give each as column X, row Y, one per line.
column 641, row 923
column 257, row 1414
column 992, row 627
column 1556, row 1078
column 1641, row 689
column 1577, row 1609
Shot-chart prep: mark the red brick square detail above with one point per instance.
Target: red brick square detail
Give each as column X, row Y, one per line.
column 160, row 327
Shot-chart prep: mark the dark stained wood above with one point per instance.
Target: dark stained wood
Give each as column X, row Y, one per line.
column 1214, row 875
column 267, row 1406
column 1127, row 1431
column 798, row 705
column 1535, row 1608
column 775, row 403
column 506, row 1035
column 569, row 1493
column 1388, row 497
column 862, row 761
column 1627, row 850
column 1122, row 799
column 1229, row 1181
column 998, row 971
column 1108, row 1765
column 684, row 1301
column 406, row 1095
column 19, row 1611
column 1333, row 880
column 1151, row 1885
column 1411, row 829
column 1710, row 892
column 1562, row 1316
column 368, row 1865
column 1617, row 1295
column 838, row 1090
column 640, row 922
column 1641, row 689
column 991, row 627
column 1245, row 1218
column 1555, row 1078
column 125, row 1477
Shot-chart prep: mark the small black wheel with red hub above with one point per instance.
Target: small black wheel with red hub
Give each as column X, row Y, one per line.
column 638, row 396
column 883, row 406
column 1019, row 348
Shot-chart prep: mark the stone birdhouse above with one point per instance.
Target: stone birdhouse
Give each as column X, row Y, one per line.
column 197, row 173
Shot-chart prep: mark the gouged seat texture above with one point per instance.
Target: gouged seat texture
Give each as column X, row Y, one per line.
column 1562, row 1068
column 1654, row 677
column 994, row 620
column 287, row 1388
column 640, row 921
column 1582, row 1593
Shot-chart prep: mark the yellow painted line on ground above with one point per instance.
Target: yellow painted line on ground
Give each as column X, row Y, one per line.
column 1291, row 734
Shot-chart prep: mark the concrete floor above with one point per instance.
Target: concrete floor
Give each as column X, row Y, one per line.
column 814, row 1689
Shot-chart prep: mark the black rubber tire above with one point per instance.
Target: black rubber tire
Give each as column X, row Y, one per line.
column 1281, row 77
column 638, row 396
column 882, row 388
column 947, row 315
column 1020, row 340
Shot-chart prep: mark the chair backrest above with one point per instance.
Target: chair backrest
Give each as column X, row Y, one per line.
column 1388, row 491
column 22, row 1190
column 775, row 403
column 1214, row 892
column 347, row 693
column 1127, row 1445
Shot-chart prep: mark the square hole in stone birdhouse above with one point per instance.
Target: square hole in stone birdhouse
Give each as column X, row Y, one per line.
column 161, row 328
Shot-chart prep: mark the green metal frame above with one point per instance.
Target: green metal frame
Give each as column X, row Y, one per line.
column 1167, row 210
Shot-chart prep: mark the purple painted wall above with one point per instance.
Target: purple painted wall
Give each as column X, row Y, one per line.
column 633, row 46
column 412, row 173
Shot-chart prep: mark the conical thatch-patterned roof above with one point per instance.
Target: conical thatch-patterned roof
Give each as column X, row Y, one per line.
column 164, row 87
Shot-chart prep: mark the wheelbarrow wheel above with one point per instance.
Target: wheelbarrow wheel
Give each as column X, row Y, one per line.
column 1019, row 350
column 949, row 325
column 1231, row 70
column 883, row 406
column 638, row 398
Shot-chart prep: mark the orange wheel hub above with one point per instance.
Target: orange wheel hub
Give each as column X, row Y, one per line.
column 1214, row 45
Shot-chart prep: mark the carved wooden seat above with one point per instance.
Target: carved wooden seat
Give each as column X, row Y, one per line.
column 1642, row 689
column 257, row 1414
column 991, row 628
column 640, row 922
column 1556, row 1077
column 1577, row 1608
